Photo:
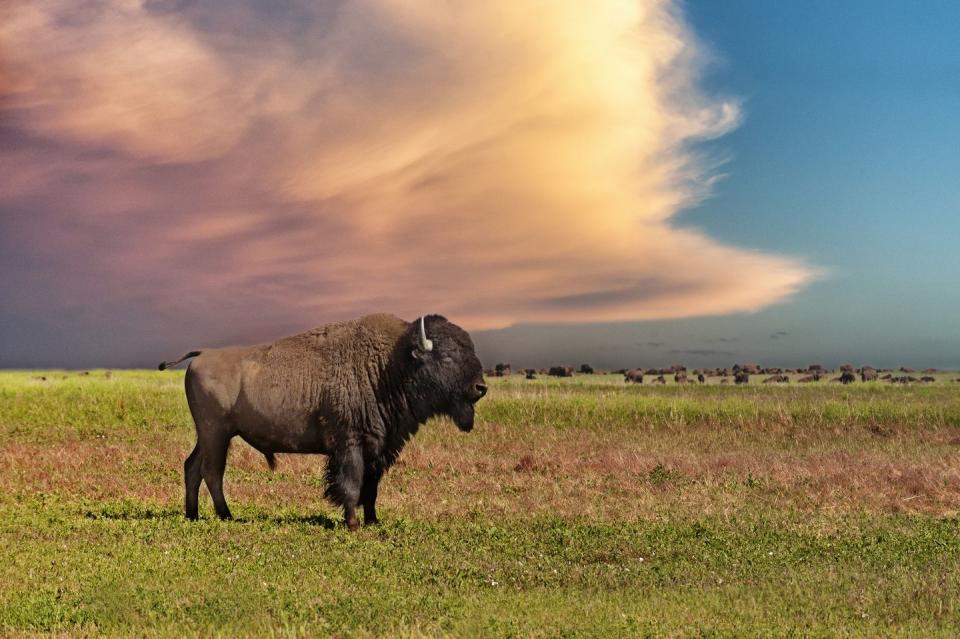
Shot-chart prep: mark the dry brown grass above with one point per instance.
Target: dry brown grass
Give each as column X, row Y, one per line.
column 606, row 475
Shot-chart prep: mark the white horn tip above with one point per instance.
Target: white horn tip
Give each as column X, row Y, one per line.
column 424, row 342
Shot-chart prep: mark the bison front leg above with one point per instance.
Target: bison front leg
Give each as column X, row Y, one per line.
column 368, row 494
column 344, row 481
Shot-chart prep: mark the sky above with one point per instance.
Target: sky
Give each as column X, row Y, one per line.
column 644, row 183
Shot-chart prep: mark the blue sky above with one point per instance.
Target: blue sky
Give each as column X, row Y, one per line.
column 187, row 174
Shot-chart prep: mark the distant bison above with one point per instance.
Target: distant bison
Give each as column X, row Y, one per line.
column 659, row 380
column 634, row 375
column 561, row 371
column 355, row 391
column 531, row 373
column 701, row 378
column 847, row 377
column 868, row 374
column 777, row 379
column 927, row 379
column 501, row 370
column 680, row 378
column 741, row 377
column 750, row 369
column 586, row 369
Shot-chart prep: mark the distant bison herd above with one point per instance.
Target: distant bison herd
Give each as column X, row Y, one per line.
column 737, row 374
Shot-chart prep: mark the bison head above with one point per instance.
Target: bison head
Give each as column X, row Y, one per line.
column 447, row 377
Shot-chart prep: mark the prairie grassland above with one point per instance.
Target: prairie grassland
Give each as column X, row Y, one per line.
column 578, row 507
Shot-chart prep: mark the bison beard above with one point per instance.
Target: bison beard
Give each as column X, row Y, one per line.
column 355, row 391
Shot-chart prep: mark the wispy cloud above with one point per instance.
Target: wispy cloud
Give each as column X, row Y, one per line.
column 284, row 164
column 779, row 334
column 700, row 352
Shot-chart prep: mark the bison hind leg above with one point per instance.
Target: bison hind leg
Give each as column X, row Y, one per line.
column 191, row 480
column 212, row 465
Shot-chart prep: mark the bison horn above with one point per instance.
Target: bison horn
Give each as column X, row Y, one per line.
column 425, row 343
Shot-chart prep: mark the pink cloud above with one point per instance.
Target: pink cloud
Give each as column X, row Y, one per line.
column 498, row 162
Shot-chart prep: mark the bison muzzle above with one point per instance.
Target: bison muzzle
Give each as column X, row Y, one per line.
column 355, row 391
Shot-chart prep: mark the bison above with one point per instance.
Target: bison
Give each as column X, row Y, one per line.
column 742, row 377
column 561, row 371
column 586, row 369
column 868, row 374
column 847, row 377
column 355, row 391
column 531, row 373
column 634, row 375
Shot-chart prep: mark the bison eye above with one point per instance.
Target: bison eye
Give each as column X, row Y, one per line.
column 447, row 359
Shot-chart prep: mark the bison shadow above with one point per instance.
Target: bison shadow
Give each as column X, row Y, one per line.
column 323, row 521
column 127, row 512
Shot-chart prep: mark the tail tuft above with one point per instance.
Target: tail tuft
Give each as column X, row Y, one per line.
column 165, row 365
column 271, row 460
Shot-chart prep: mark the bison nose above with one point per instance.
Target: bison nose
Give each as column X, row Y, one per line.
column 482, row 389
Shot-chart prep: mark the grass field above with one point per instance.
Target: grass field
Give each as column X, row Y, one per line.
column 578, row 507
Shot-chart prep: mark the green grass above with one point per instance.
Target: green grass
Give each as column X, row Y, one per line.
column 578, row 507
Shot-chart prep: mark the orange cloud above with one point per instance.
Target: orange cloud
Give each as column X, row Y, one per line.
column 499, row 162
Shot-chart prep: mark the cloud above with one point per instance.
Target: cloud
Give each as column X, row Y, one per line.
column 779, row 334
column 700, row 352
column 281, row 164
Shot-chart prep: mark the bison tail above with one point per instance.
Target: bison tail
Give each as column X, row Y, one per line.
column 271, row 460
column 165, row 365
